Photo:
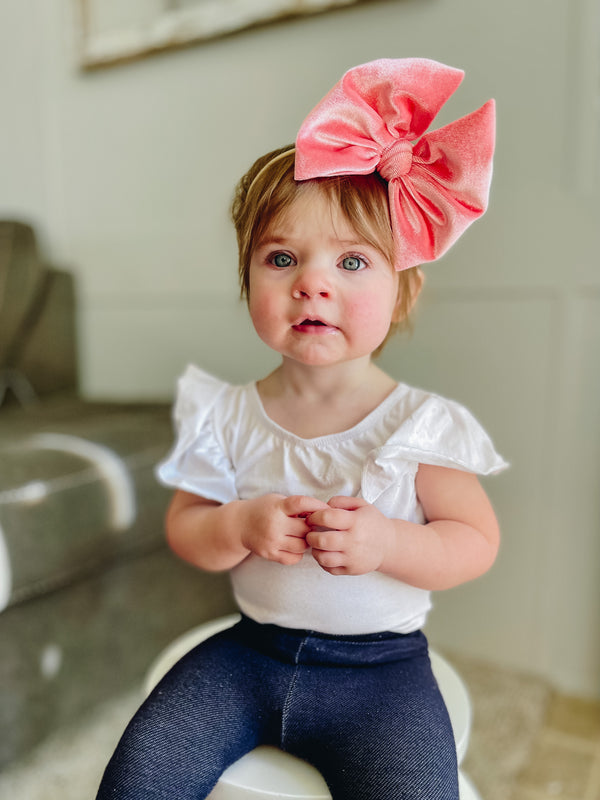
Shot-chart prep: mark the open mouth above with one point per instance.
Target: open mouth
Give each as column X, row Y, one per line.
column 313, row 326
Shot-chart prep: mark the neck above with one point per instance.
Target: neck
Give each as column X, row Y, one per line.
column 316, row 401
column 320, row 383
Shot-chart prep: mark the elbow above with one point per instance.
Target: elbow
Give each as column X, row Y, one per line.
column 492, row 536
column 172, row 535
column 487, row 552
column 485, row 545
column 176, row 543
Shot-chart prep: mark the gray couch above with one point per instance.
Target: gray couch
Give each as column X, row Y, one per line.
column 88, row 590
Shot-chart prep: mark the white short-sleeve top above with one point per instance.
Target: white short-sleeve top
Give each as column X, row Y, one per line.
column 227, row 448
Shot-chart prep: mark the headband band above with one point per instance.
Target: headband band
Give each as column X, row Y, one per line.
column 374, row 119
column 271, row 161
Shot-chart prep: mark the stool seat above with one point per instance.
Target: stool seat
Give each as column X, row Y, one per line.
column 267, row 772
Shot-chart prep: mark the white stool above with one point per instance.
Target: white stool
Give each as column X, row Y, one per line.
column 267, row 772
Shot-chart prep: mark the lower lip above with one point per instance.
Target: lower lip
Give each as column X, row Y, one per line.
column 317, row 330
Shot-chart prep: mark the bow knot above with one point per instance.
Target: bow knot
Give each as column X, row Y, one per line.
column 396, row 160
column 370, row 120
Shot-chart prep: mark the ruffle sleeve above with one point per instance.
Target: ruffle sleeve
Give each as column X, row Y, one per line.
column 198, row 462
column 437, row 431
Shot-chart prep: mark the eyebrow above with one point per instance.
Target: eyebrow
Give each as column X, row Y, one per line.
column 280, row 239
column 272, row 239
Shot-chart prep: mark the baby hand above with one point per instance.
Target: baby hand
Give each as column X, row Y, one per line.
column 349, row 536
column 275, row 526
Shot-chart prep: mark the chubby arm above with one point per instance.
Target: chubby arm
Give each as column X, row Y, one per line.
column 216, row 537
column 458, row 543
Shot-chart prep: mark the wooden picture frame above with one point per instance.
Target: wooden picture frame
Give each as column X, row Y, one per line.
column 112, row 32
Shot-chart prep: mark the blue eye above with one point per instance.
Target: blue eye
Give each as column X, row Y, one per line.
column 352, row 263
column 282, row 260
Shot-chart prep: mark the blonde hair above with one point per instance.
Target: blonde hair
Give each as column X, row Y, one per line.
column 268, row 189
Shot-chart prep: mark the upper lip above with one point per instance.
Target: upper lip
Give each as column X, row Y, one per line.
column 310, row 318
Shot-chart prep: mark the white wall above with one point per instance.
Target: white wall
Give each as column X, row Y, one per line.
column 127, row 174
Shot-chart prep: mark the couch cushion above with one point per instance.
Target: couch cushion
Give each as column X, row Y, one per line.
column 77, row 489
column 87, row 642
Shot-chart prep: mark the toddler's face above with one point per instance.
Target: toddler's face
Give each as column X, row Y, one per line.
column 319, row 293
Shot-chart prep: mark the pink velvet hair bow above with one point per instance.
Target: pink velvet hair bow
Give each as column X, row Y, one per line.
column 374, row 119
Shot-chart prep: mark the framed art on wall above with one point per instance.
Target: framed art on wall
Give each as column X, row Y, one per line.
column 112, row 32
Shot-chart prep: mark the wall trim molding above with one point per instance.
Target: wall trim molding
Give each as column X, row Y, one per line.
column 581, row 164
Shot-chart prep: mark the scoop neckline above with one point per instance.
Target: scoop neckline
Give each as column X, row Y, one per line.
column 284, row 433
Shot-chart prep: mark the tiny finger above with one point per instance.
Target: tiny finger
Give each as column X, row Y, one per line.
column 328, row 560
column 336, row 570
column 287, row 559
column 347, row 503
column 329, row 541
column 302, row 506
column 332, row 518
column 295, row 544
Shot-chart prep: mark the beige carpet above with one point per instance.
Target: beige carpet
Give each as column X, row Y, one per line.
column 509, row 709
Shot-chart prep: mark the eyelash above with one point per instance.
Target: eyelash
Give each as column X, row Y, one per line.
column 272, row 256
column 358, row 257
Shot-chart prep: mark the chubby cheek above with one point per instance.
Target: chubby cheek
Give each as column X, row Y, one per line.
column 262, row 314
column 371, row 320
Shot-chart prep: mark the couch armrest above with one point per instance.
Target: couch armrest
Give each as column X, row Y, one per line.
column 77, row 492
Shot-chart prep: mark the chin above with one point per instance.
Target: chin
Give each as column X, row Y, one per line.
column 312, row 359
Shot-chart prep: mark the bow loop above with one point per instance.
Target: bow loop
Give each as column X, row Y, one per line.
column 368, row 122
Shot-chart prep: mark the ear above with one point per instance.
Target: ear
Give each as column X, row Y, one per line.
column 405, row 305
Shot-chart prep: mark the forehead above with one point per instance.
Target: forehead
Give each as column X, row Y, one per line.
column 312, row 210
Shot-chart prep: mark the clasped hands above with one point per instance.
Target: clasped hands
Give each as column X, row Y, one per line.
column 348, row 536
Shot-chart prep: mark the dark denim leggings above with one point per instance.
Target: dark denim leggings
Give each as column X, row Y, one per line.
column 365, row 710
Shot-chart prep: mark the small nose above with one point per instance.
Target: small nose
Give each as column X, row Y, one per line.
column 311, row 281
